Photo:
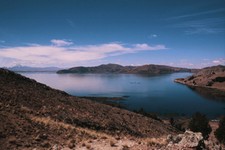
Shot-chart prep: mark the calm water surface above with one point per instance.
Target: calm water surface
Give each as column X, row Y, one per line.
column 156, row 94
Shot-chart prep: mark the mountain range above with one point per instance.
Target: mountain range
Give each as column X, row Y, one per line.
column 115, row 68
column 20, row 68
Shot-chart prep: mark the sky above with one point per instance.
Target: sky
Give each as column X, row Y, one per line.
column 68, row 33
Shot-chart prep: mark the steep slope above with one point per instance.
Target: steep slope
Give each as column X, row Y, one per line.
column 33, row 115
column 114, row 68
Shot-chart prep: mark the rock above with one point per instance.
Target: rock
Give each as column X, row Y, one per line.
column 45, row 145
column 212, row 145
column 71, row 144
column 173, row 139
column 12, row 140
column 190, row 139
column 187, row 140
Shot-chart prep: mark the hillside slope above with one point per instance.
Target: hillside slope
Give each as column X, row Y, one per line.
column 33, row 115
column 210, row 77
column 115, row 68
column 208, row 82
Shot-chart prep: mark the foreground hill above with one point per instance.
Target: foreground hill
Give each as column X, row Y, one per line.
column 114, row 68
column 33, row 115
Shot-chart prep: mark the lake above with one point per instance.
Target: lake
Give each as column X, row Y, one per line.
column 155, row 94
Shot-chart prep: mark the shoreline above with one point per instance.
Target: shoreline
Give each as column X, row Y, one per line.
column 182, row 81
column 115, row 102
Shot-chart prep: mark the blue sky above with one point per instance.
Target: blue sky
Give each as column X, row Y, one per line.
column 67, row 33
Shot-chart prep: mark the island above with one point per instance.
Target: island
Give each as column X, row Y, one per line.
column 150, row 69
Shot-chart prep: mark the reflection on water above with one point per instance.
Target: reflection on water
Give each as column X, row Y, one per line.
column 158, row 94
column 211, row 94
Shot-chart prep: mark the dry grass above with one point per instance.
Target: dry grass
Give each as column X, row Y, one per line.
column 125, row 147
column 94, row 135
column 57, row 124
column 25, row 109
column 112, row 143
column 51, row 122
column 155, row 141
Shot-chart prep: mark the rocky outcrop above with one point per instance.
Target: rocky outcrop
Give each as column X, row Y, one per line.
column 192, row 140
column 187, row 140
column 114, row 68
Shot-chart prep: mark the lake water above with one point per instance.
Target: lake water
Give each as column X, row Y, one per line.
column 155, row 94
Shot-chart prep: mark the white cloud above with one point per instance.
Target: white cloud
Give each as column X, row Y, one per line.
column 153, row 36
column 216, row 61
column 59, row 55
column 220, row 61
column 57, row 42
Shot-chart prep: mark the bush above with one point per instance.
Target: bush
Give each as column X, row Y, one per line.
column 144, row 113
column 171, row 121
column 199, row 123
column 177, row 124
column 220, row 132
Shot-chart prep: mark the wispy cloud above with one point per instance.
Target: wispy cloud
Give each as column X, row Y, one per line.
column 220, row 61
column 196, row 63
column 153, row 36
column 70, row 22
column 196, row 14
column 203, row 26
column 207, row 22
column 58, row 42
column 67, row 55
column 211, row 62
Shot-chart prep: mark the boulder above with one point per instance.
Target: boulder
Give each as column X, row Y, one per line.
column 187, row 140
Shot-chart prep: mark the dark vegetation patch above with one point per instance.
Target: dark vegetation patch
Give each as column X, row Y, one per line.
column 220, row 132
column 150, row 115
column 219, row 79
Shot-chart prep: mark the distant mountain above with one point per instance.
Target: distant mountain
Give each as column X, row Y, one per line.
column 115, row 68
column 20, row 68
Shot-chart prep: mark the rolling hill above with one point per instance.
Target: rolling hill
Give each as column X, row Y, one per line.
column 115, row 68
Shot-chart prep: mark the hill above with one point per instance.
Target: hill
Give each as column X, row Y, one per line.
column 210, row 77
column 33, row 115
column 209, row 81
column 20, row 68
column 115, row 68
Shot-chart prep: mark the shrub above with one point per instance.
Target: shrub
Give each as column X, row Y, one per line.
column 144, row 113
column 220, row 132
column 171, row 121
column 199, row 123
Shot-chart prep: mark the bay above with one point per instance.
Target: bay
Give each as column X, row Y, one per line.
column 155, row 94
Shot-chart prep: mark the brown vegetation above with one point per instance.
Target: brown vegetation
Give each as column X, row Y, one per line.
column 33, row 115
